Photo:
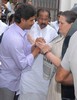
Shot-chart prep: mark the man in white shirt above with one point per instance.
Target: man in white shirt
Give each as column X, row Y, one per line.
column 41, row 27
column 7, row 5
column 3, row 26
column 33, row 85
column 55, row 24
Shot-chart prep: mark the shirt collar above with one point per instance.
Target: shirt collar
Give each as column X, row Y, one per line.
column 19, row 30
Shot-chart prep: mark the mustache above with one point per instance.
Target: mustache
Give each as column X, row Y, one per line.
column 43, row 25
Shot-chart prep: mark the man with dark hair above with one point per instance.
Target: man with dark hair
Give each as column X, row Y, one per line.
column 18, row 4
column 43, row 22
column 33, row 85
column 41, row 27
column 55, row 24
column 15, row 52
column 29, row 2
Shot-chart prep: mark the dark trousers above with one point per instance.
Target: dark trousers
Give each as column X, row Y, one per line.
column 67, row 99
column 67, row 92
column 16, row 97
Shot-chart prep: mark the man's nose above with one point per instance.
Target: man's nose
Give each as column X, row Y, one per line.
column 43, row 21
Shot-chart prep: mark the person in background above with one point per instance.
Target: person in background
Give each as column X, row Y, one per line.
column 7, row 6
column 55, row 24
column 41, row 27
column 3, row 26
column 10, row 19
column 74, row 8
column 16, row 52
column 18, row 4
column 66, row 21
column 13, row 4
column 29, row 2
column 33, row 86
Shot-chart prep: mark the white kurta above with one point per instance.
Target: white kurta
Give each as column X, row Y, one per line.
column 48, row 33
column 33, row 81
column 3, row 27
column 55, row 25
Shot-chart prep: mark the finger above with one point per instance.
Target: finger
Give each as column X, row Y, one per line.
column 39, row 45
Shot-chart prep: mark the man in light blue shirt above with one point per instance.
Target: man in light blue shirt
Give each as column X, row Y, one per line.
column 15, row 52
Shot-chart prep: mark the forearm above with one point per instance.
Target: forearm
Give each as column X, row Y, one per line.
column 33, row 47
column 63, row 76
column 54, row 59
column 68, row 80
column 36, row 51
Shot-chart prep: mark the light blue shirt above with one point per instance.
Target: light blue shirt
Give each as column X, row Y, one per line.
column 15, row 55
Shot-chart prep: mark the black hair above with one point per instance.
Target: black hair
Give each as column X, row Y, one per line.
column 10, row 18
column 42, row 10
column 24, row 11
column 18, row 5
column 70, row 16
column 59, row 13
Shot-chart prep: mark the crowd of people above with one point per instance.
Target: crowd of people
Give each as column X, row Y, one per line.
column 37, row 56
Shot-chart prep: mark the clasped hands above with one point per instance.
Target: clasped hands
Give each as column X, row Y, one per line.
column 40, row 42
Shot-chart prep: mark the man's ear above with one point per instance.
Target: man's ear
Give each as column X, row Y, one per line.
column 23, row 20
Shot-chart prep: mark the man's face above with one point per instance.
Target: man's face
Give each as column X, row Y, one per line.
column 27, row 24
column 4, row 1
column 63, row 25
column 14, row 1
column 43, row 19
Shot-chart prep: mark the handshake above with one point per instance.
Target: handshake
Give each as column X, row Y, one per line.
column 41, row 43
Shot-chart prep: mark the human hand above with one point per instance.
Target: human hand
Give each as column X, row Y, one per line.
column 40, row 39
column 36, row 51
column 3, row 4
column 44, row 47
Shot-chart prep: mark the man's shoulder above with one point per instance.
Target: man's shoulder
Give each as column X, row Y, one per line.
column 34, row 26
column 51, row 28
column 2, row 24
